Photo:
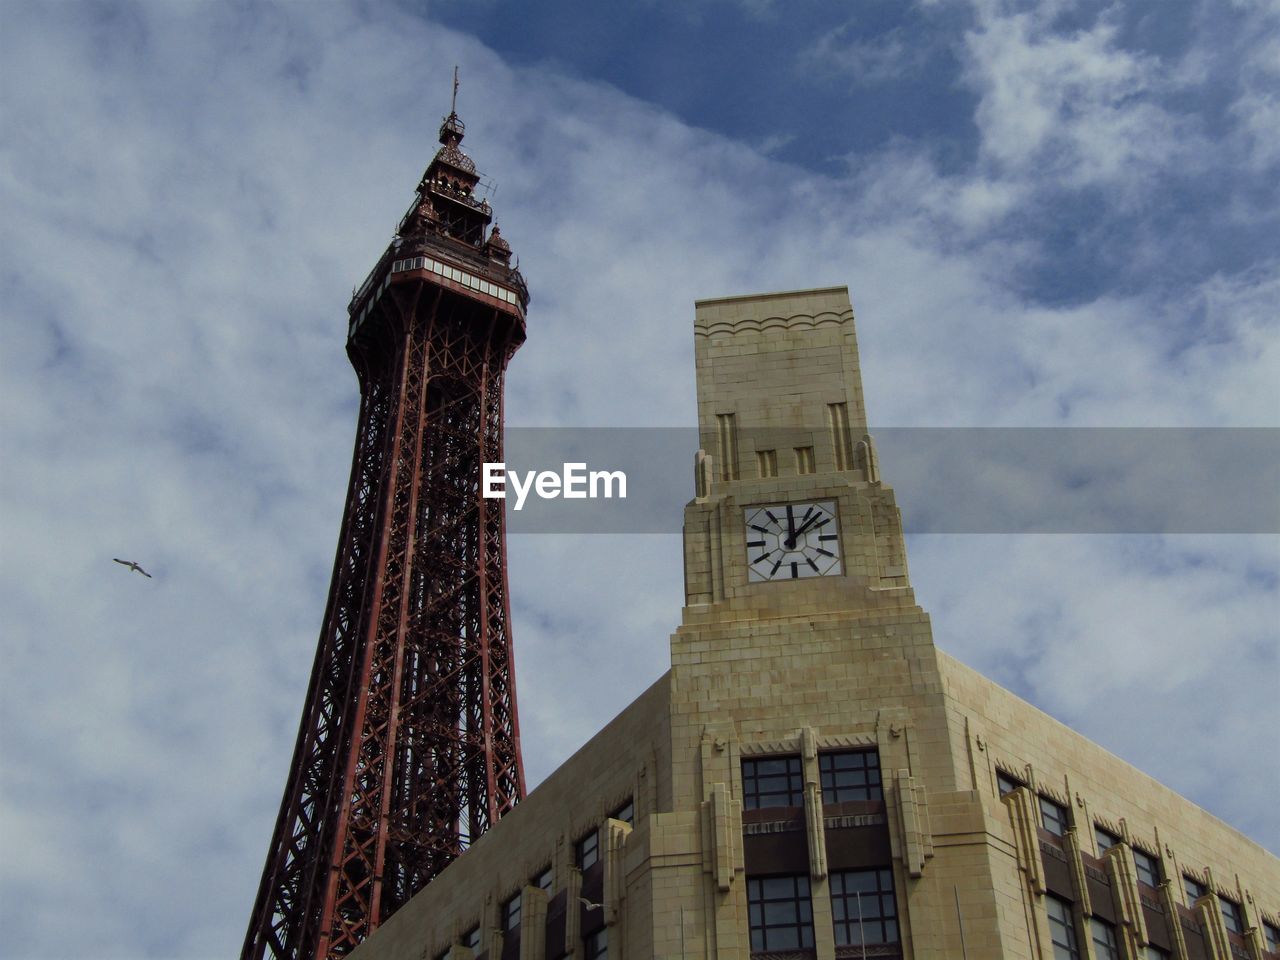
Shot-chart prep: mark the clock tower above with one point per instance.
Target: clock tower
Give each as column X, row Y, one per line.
column 789, row 509
column 801, row 647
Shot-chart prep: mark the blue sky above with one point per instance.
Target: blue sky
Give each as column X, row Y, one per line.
column 1047, row 214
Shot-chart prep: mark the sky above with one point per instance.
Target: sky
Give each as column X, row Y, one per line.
column 1048, row 214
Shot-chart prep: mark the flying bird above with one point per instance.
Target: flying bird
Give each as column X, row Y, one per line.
column 132, row 566
column 589, row 905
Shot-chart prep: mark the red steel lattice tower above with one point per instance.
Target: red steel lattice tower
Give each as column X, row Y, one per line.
column 409, row 746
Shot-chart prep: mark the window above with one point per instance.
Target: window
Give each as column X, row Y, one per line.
column 544, row 880
column 511, row 913
column 1062, row 929
column 1105, row 839
column 780, row 913
column 1271, row 933
column 804, row 460
column 1053, row 816
column 587, row 852
column 850, row 776
column 596, row 945
column 1232, row 915
column 1006, row 783
column 1195, row 889
column 1154, row 953
column 863, row 908
column 472, row 938
column 772, row 782
column 1147, row 866
column 626, row 813
column 1105, row 944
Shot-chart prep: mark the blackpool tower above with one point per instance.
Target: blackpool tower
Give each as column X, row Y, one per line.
column 409, row 746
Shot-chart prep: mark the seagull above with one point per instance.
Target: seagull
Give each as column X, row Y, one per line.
column 132, row 566
column 588, row 904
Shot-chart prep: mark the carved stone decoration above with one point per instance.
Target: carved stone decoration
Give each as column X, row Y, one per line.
column 1125, row 896
column 1022, row 814
column 913, row 822
column 1075, row 866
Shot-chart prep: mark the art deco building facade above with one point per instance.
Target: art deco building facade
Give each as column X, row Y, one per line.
column 813, row 777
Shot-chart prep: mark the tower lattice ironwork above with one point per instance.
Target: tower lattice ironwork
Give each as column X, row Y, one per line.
column 409, row 745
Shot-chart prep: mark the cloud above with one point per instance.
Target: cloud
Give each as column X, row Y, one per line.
column 192, row 191
column 1079, row 106
column 890, row 56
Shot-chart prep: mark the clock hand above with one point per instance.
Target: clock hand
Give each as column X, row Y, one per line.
column 791, row 542
column 791, row 529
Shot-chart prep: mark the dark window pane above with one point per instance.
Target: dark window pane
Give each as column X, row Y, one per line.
column 1053, row 816
column 853, row 775
column 588, row 850
column 863, row 907
column 1105, row 839
column 783, row 938
column 1272, row 934
column 1062, row 929
column 772, row 782
column 1231, row 915
column 1147, row 867
column 1195, row 889
column 780, row 913
column 626, row 813
column 543, row 880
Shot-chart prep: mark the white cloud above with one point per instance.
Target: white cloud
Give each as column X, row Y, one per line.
column 189, row 198
column 889, row 56
column 1079, row 106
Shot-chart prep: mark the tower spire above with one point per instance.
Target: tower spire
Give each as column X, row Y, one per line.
column 453, row 104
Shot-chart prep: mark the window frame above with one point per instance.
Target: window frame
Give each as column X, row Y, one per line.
column 829, row 771
column 846, row 925
column 511, row 911
column 1232, row 915
column 1194, row 889
column 760, row 923
column 472, row 938
column 1271, row 936
column 1070, row 949
column 1146, row 863
column 1061, row 815
column 1110, row 943
column 595, row 945
column 1006, row 783
column 1099, row 833
column 629, row 808
column 752, row 775
column 545, row 880
column 581, row 850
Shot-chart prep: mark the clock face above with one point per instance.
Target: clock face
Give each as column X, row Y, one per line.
column 792, row 540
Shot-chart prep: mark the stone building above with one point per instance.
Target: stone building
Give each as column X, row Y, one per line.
column 813, row 777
